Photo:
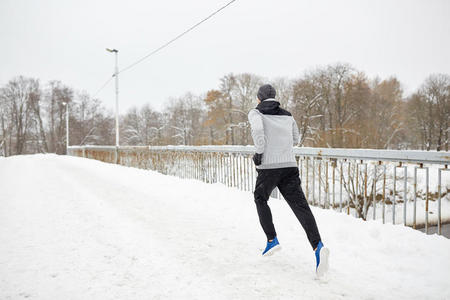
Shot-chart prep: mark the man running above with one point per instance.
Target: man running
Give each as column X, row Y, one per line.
column 274, row 133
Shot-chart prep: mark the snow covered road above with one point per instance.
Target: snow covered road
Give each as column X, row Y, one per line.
column 73, row 228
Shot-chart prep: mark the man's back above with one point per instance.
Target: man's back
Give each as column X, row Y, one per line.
column 274, row 133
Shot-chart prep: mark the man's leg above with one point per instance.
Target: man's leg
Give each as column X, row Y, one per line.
column 265, row 184
column 291, row 190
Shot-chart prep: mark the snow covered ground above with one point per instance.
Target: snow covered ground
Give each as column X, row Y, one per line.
column 73, row 228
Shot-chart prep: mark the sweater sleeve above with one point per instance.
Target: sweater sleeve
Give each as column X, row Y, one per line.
column 295, row 133
column 257, row 127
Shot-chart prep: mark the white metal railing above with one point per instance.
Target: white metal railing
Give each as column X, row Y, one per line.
column 362, row 182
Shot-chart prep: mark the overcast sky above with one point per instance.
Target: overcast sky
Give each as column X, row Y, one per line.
column 66, row 40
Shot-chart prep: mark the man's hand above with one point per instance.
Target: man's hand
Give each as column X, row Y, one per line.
column 257, row 158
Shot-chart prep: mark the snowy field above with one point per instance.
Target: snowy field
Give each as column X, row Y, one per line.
column 73, row 228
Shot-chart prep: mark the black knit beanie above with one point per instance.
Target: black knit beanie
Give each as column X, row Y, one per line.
column 265, row 92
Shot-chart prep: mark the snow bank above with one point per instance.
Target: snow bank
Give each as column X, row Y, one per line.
column 73, row 228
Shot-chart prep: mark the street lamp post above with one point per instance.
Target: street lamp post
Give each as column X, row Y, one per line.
column 116, row 75
column 67, row 126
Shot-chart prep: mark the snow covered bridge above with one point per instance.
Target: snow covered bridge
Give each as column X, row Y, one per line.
column 75, row 228
column 399, row 187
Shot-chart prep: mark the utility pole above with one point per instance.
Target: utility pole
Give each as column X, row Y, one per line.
column 116, row 75
column 67, row 126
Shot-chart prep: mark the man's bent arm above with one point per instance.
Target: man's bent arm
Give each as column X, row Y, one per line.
column 256, row 124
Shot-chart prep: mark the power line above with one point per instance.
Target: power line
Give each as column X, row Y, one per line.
column 103, row 86
column 175, row 38
column 163, row 46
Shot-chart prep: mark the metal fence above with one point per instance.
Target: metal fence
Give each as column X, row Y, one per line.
column 370, row 184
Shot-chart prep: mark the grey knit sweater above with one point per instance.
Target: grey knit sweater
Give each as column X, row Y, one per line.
column 274, row 133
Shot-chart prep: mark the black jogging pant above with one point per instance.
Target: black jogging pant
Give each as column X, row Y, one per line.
column 288, row 182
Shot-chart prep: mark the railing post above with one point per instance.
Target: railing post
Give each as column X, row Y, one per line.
column 384, row 194
column 348, row 186
column 394, row 195
column 307, row 179
column 439, row 197
column 314, row 180
column 357, row 188
column 116, row 158
column 340, row 190
column 374, row 192
column 439, row 201
column 426, row 202
column 405, row 193
column 415, row 198
column 327, row 188
column 320, row 183
column 334, row 183
column 365, row 205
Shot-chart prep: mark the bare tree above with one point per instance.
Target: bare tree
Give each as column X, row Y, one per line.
column 245, row 90
column 436, row 92
column 143, row 126
column 17, row 98
column 91, row 123
column 186, row 116
column 385, row 120
column 429, row 109
column 35, row 104
column 227, row 84
column 57, row 95
column 304, row 106
column 216, row 117
column 327, row 117
column 284, row 87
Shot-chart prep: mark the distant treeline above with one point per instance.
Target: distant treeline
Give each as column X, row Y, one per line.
column 334, row 106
